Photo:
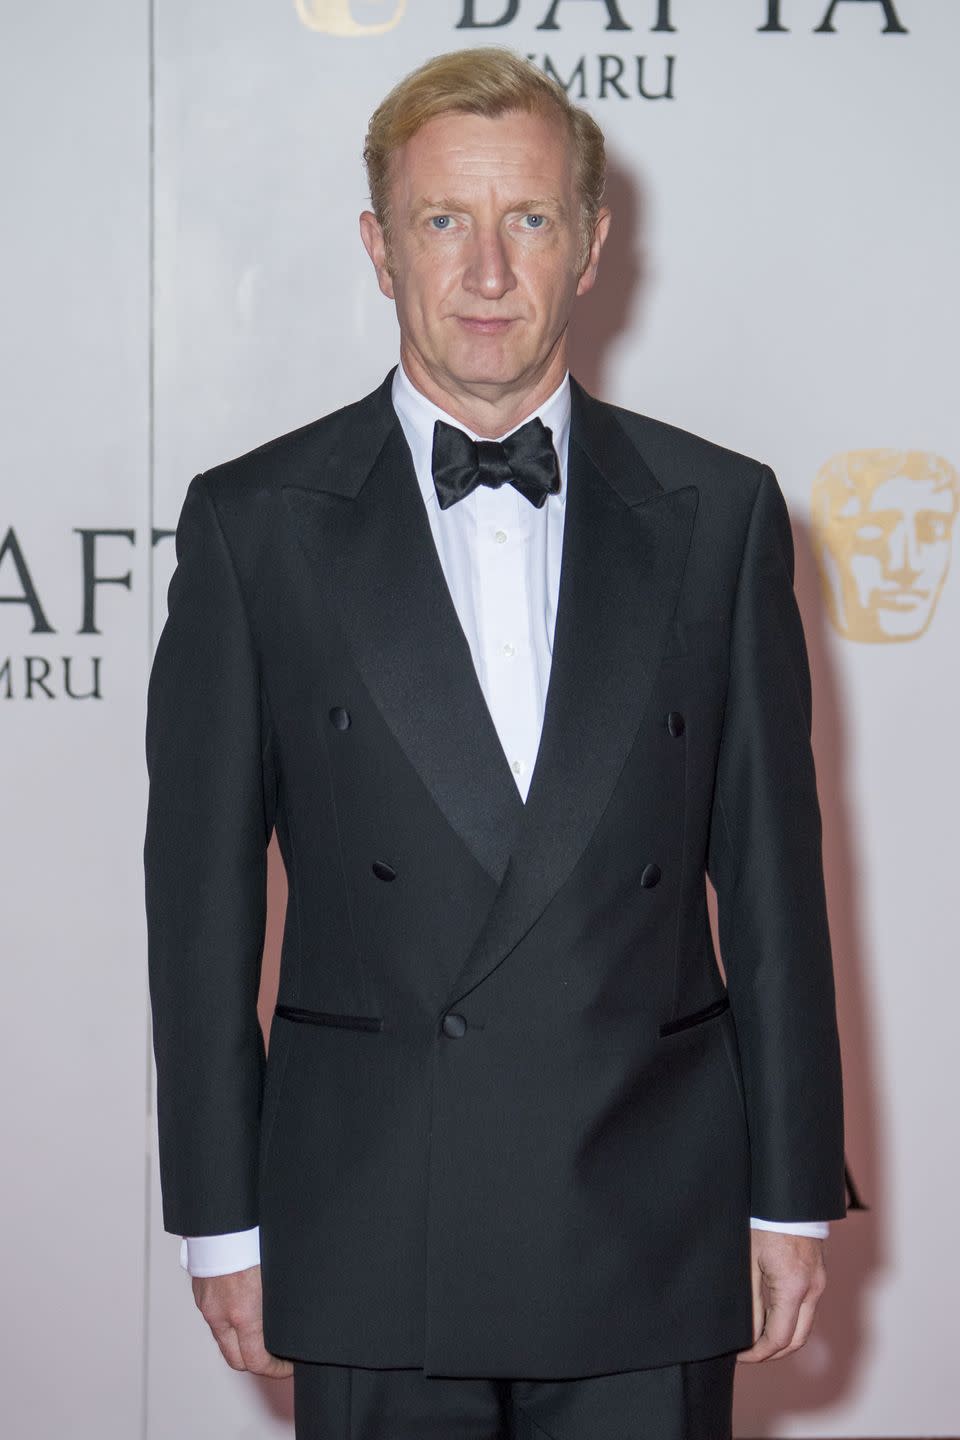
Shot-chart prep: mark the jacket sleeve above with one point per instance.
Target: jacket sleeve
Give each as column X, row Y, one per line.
column 765, row 862
column 209, row 819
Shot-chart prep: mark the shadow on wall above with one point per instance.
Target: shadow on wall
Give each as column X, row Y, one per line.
column 614, row 306
column 822, row 1374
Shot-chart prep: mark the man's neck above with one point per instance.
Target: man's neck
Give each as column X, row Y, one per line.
column 487, row 410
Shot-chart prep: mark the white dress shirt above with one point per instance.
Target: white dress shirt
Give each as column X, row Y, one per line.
column 500, row 557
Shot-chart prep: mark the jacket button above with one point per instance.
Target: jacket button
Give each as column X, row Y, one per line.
column 454, row 1025
column 676, row 724
column 383, row 871
column 340, row 718
column 650, row 876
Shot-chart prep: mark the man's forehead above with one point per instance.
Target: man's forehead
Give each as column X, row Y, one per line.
column 490, row 158
column 475, row 146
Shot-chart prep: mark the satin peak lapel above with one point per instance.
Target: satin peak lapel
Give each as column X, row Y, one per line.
column 625, row 547
column 367, row 538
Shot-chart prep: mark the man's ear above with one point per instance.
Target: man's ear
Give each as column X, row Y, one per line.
column 589, row 273
column 371, row 233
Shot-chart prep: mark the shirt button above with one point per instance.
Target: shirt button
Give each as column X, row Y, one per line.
column 501, row 537
column 508, row 650
column 517, row 767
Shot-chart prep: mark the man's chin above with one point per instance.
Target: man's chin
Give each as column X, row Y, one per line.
column 486, row 370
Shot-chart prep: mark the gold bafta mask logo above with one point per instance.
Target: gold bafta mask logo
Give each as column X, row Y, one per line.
column 336, row 17
column 882, row 528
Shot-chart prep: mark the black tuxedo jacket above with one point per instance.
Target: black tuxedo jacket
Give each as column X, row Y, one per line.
column 513, row 1121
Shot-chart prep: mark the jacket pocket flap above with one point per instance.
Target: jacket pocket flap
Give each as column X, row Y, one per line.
column 327, row 1017
column 696, row 1017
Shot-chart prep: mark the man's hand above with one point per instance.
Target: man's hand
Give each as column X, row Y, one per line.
column 232, row 1306
column 789, row 1277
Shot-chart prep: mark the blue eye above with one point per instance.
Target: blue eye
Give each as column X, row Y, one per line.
column 440, row 222
column 537, row 221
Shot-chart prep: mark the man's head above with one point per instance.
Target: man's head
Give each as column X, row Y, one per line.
column 486, row 186
column 882, row 522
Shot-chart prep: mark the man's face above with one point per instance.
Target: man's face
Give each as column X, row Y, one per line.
column 485, row 258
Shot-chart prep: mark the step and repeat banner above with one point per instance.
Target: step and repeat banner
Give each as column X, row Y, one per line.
column 183, row 279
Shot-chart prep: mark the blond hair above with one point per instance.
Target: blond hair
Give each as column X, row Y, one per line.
column 487, row 81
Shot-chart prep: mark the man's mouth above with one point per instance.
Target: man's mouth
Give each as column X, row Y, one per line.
column 480, row 326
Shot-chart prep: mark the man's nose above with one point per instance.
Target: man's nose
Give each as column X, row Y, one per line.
column 488, row 272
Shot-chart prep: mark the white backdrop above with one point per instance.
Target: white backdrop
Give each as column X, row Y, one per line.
column 182, row 279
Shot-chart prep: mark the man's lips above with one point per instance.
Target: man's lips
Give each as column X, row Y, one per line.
column 484, row 327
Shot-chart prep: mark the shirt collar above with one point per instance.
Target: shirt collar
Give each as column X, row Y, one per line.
column 417, row 416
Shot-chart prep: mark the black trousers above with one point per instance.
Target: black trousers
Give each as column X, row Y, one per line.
column 689, row 1401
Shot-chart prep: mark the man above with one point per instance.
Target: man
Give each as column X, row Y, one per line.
column 514, row 1124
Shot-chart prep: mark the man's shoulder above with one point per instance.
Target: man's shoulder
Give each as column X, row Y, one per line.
column 680, row 457
column 348, row 437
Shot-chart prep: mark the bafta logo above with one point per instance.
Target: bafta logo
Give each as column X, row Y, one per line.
column 882, row 527
column 336, row 17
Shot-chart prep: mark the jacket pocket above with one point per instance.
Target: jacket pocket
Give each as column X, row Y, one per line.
column 696, row 1017
column 326, row 1017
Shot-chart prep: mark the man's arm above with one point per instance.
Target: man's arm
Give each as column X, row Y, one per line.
column 205, row 884
column 766, row 865
column 765, row 862
column 210, row 814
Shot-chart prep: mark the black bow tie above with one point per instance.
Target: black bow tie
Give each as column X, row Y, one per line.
column 526, row 459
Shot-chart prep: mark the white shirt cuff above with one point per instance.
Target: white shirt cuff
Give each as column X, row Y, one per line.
column 204, row 1255
column 816, row 1229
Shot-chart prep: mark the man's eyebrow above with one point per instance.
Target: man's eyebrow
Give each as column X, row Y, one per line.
column 445, row 204
column 538, row 204
column 450, row 205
